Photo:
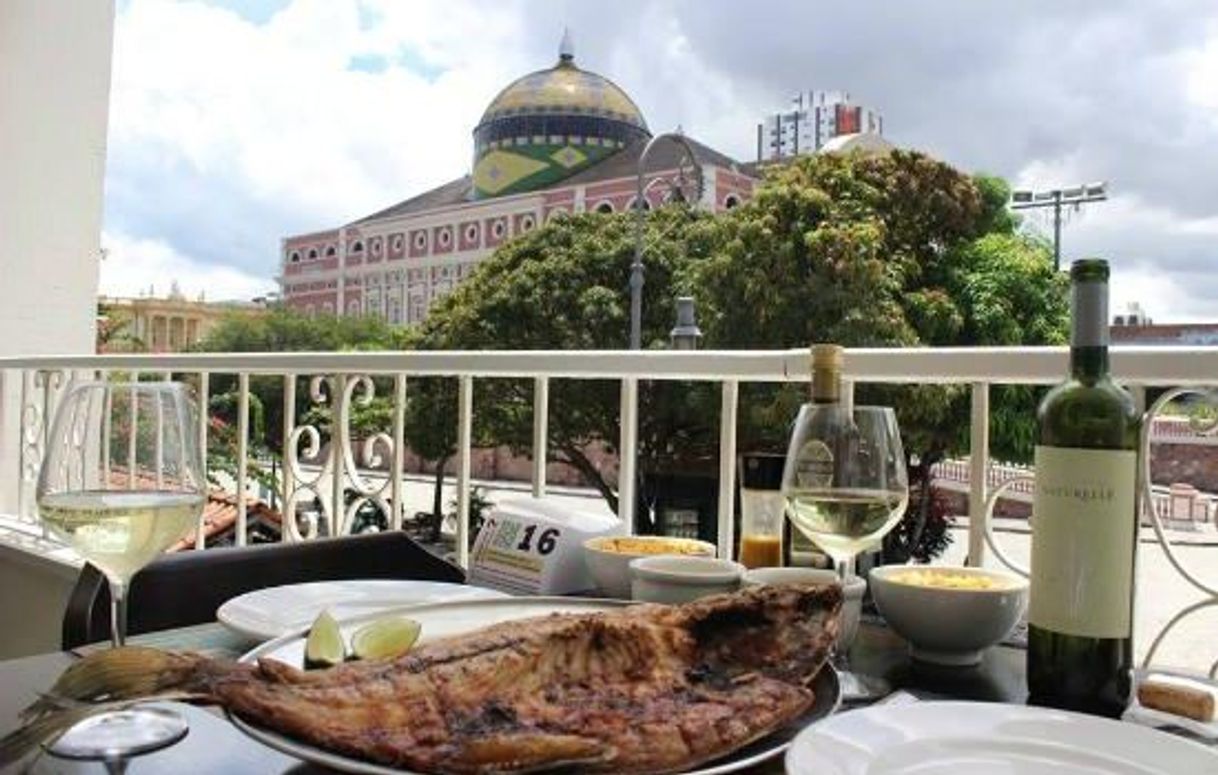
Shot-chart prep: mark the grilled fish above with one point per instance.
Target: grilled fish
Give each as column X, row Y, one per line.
column 648, row 689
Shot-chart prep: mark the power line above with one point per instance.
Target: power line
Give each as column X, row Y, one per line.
column 1075, row 196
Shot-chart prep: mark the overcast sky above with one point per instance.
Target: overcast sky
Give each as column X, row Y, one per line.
column 234, row 123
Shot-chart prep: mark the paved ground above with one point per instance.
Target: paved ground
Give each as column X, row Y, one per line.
column 1162, row 592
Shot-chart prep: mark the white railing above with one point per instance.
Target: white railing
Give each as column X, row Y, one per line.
column 339, row 380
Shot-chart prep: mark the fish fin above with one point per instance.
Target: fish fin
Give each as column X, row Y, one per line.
column 527, row 751
column 277, row 671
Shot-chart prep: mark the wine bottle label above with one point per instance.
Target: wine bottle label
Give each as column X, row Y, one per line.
column 814, row 465
column 1083, row 515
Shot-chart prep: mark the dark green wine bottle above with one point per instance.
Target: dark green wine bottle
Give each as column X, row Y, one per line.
column 1084, row 531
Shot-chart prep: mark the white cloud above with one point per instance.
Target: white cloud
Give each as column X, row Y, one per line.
column 132, row 266
column 227, row 133
column 275, row 109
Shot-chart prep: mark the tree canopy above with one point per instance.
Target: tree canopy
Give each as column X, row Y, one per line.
column 563, row 286
column 895, row 250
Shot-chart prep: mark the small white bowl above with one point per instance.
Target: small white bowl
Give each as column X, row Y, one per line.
column 609, row 564
column 669, row 579
column 852, row 594
column 949, row 626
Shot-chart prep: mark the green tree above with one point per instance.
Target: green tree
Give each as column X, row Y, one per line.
column 894, row 250
column 115, row 330
column 563, row 286
column 285, row 330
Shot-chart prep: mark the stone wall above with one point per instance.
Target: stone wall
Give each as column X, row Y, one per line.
column 1195, row 464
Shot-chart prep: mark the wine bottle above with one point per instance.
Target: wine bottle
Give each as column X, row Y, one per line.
column 1084, row 529
column 798, row 549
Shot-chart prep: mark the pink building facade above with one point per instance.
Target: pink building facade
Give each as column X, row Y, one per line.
column 555, row 142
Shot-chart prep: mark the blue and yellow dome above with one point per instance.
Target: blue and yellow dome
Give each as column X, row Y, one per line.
column 551, row 124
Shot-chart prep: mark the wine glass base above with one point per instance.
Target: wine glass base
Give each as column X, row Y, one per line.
column 120, row 733
column 857, row 687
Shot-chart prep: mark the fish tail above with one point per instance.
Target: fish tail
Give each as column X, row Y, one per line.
column 129, row 672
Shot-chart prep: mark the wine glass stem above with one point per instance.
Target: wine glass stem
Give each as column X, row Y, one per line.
column 118, row 613
column 845, row 566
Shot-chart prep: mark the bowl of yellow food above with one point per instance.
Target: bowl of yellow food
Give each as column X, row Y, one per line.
column 609, row 557
column 950, row 616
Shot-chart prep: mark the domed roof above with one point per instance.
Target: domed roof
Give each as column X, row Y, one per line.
column 549, row 125
column 565, row 89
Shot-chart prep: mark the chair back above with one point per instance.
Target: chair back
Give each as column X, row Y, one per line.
column 185, row 588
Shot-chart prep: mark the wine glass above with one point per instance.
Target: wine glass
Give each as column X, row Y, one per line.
column 121, row 481
column 845, row 487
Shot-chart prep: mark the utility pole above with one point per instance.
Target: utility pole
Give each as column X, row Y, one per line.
column 1075, row 196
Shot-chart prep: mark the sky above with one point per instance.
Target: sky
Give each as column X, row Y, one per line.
column 234, row 123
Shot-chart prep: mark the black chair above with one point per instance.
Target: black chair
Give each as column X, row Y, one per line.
column 186, row 588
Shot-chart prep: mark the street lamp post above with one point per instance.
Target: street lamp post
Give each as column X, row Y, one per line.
column 687, row 158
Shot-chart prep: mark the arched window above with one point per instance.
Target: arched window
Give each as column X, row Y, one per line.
column 527, row 223
column 295, row 257
column 397, row 242
column 634, row 200
column 731, row 201
column 446, row 236
column 376, row 246
column 357, row 246
column 471, row 232
column 498, row 228
column 312, row 254
column 330, row 251
column 605, row 207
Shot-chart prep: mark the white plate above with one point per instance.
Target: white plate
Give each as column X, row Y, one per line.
column 938, row 738
column 275, row 611
column 453, row 618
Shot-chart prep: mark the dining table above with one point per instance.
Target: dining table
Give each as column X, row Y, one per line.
column 215, row 745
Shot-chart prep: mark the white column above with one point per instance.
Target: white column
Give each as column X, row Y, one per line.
column 54, row 100
column 709, row 185
column 340, row 307
column 979, row 466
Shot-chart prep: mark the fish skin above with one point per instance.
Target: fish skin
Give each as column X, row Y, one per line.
column 648, row 689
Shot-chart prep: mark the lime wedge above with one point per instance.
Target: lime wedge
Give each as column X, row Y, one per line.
column 385, row 638
column 324, row 647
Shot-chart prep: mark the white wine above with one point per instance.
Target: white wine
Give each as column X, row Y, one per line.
column 120, row 531
column 844, row 522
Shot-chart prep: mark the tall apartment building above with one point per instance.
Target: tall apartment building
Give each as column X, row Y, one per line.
column 814, row 119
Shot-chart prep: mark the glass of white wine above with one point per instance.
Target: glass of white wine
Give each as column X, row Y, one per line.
column 845, row 486
column 122, row 479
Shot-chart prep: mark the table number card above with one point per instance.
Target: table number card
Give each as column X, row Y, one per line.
column 535, row 546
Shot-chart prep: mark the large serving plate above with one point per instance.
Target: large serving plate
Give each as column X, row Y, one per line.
column 938, row 738
column 456, row 617
column 276, row 611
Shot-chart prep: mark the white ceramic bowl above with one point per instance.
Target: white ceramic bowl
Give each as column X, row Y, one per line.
column 668, row 579
column 852, row 594
column 608, row 558
column 949, row 626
